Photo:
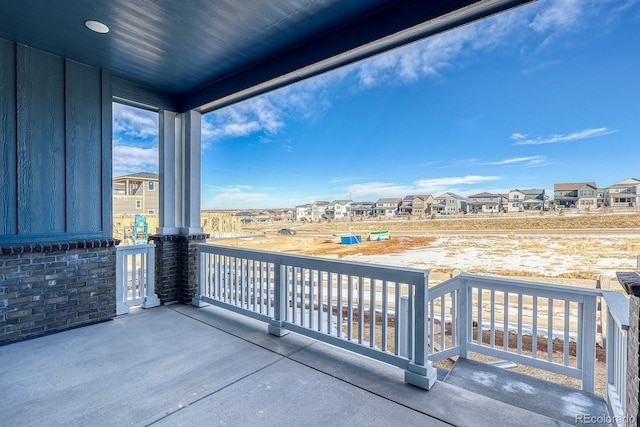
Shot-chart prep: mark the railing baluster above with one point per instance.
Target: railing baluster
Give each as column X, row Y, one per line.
column 360, row 309
column 567, row 320
column 534, row 334
column 349, row 306
column 320, row 300
column 505, row 322
column 443, row 323
column 385, row 315
column 312, row 275
column 330, row 307
column 372, row 313
column 479, row 330
column 492, row 330
column 396, row 334
column 340, row 317
column 520, row 314
column 550, row 330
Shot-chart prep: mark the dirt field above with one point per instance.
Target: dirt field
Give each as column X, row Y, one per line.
column 605, row 244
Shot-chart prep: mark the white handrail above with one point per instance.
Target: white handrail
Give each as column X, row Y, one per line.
column 350, row 305
column 563, row 312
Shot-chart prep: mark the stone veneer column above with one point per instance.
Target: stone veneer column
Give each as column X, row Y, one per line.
column 167, row 267
column 188, row 276
column 49, row 287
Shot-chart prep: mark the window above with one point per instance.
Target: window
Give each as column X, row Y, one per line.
column 152, row 186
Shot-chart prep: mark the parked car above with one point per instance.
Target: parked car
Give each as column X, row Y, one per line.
column 286, row 232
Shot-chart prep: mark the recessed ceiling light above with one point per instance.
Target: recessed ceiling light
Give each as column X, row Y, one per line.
column 97, row 26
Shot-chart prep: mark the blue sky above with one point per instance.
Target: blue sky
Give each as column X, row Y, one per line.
column 546, row 93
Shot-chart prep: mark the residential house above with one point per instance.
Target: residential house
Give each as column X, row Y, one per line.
column 303, row 212
column 387, row 206
column 415, row 204
column 527, row 200
column 338, row 209
column 625, row 193
column 448, row 204
column 579, row 195
column 362, row 209
column 318, row 210
column 137, row 193
column 484, row 203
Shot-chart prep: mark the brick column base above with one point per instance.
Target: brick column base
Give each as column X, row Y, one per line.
column 188, row 275
column 176, row 266
column 166, row 267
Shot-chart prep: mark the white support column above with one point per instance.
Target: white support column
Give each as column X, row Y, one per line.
column 169, row 141
column 191, row 173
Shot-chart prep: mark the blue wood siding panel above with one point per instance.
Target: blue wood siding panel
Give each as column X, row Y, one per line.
column 83, row 148
column 8, row 145
column 41, row 142
column 107, row 154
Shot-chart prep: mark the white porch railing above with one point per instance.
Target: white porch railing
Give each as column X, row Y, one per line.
column 135, row 277
column 346, row 304
column 507, row 312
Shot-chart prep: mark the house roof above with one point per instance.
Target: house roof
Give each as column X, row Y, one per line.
column 570, row 186
column 208, row 54
column 389, row 200
column 448, row 195
column 149, row 176
column 627, row 183
column 484, row 195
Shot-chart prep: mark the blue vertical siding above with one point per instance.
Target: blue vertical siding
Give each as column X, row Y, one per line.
column 83, row 148
column 8, row 156
column 55, row 147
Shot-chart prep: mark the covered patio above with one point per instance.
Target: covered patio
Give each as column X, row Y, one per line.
column 181, row 365
column 68, row 358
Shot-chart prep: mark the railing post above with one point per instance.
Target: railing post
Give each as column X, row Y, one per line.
column 121, row 305
column 197, row 298
column 588, row 344
column 420, row 371
column 150, row 297
column 276, row 327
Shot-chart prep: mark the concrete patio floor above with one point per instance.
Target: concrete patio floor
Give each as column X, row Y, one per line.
column 184, row 366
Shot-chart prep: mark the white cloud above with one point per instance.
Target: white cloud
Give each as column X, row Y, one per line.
column 545, row 20
column 558, row 138
column 435, row 186
column 557, row 15
column 529, row 161
column 128, row 160
column 234, row 196
column 134, row 122
column 518, row 136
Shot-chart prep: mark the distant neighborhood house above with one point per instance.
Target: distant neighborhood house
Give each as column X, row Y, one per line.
column 580, row 195
column 136, row 194
column 625, row 193
column 527, row 200
column 448, row 204
column 485, row 203
column 387, row 206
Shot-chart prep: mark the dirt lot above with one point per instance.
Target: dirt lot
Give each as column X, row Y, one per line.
column 547, row 221
column 605, row 244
